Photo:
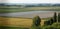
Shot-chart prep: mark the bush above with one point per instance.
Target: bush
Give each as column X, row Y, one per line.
column 49, row 22
column 47, row 27
column 53, row 26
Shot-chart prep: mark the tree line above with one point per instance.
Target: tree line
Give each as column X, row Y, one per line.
column 54, row 19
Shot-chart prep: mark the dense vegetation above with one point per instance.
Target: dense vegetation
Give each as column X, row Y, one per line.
column 52, row 23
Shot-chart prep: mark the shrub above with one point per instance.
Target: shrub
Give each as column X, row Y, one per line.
column 49, row 22
column 53, row 26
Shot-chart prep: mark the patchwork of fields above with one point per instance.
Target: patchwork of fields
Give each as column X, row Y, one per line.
column 23, row 22
column 24, row 9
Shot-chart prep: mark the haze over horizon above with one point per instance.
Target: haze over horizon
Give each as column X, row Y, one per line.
column 30, row 1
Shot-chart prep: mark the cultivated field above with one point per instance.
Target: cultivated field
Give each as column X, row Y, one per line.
column 20, row 23
column 29, row 9
column 17, row 22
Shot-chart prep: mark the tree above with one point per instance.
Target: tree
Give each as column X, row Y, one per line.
column 55, row 17
column 58, row 17
column 36, row 21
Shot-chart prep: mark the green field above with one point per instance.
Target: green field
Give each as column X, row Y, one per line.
column 24, row 9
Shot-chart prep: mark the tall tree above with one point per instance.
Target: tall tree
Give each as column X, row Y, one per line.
column 58, row 17
column 55, row 17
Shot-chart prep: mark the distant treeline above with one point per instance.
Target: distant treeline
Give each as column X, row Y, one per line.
column 31, row 5
column 40, row 5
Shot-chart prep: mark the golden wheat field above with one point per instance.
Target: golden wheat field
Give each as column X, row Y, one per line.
column 17, row 22
column 22, row 22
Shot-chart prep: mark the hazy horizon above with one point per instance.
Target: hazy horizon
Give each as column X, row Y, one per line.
column 30, row 1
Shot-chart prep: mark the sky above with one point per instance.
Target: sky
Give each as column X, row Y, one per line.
column 29, row 1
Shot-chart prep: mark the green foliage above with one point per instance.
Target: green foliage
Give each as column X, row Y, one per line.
column 58, row 17
column 49, row 22
column 36, row 21
column 47, row 27
column 35, row 27
column 55, row 17
column 53, row 26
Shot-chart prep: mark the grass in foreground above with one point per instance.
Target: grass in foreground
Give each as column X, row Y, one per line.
column 6, row 27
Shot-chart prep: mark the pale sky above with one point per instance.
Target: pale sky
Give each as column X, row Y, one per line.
column 29, row 1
